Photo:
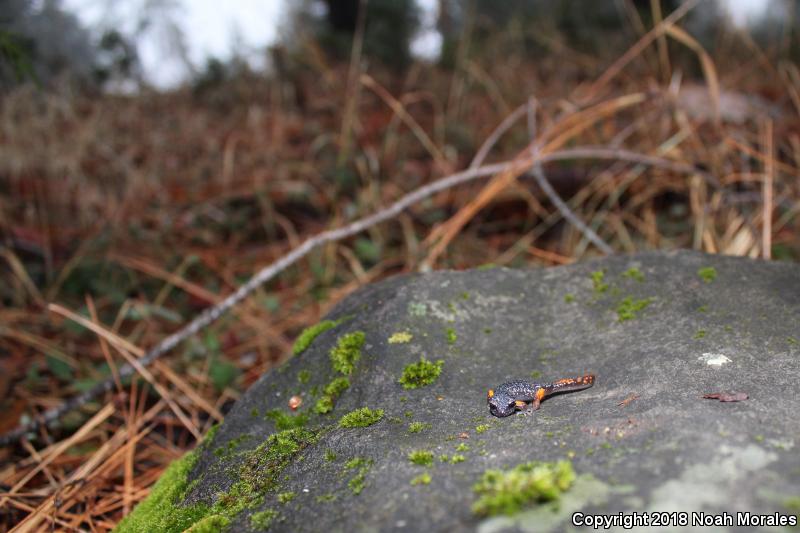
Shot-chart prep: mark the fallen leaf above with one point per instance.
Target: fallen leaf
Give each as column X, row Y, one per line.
column 628, row 400
column 726, row 396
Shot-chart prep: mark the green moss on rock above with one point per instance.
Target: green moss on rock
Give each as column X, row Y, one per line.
column 421, row 457
column 627, row 308
column 210, row 524
column 598, row 281
column 421, row 373
column 422, row 479
column 337, row 386
column 160, row 510
column 286, row 497
column 331, row 392
column 707, row 274
column 361, row 418
column 358, row 482
column 324, row 405
column 347, row 352
column 261, row 469
column 227, row 451
column 634, row 273
column 416, row 427
column 263, row 520
column 401, row 337
column 285, row 420
column 508, row 491
column 308, row 335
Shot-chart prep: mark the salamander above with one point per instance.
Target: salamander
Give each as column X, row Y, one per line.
column 520, row 395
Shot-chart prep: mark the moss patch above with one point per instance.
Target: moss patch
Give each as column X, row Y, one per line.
column 416, row 427
column 210, row 524
column 308, row 335
column 627, row 308
column 285, row 420
column 634, row 274
column 361, row 418
column 263, row 520
column 227, row 451
column 421, row 457
column 362, row 466
column 598, row 281
column 160, row 510
column 347, row 352
column 450, row 335
column 508, row 491
column 324, row 405
column 421, row 373
column 707, row 274
column 286, row 497
column 422, row 479
column 332, row 391
column 261, row 469
column 401, row 337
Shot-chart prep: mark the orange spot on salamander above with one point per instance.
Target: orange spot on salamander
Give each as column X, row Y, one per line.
column 540, row 394
column 491, row 393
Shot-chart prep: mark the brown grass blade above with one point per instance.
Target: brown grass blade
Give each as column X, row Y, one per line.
column 709, row 70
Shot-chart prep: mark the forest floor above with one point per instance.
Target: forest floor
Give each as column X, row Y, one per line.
column 124, row 217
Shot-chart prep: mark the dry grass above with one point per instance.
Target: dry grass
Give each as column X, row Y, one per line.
column 122, row 218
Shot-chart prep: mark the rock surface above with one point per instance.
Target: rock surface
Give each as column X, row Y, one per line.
column 659, row 330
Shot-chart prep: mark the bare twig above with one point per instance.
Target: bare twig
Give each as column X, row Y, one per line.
column 211, row 314
column 493, row 137
column 637, row 48
column 541, row 179
column 769, row 171
column 400, row 110
column 353, row 86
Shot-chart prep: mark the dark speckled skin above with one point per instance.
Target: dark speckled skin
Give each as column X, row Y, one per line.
column 514, row 396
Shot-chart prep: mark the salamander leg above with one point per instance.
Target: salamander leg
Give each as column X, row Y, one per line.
column 540, row 394
column 522, row 407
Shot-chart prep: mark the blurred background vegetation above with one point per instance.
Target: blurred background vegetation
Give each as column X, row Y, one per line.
column 136, row 197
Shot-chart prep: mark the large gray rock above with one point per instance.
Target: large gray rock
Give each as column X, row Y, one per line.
column 642, row 439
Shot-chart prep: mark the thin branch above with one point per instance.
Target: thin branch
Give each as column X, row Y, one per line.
column 210, row 315
column 769, row 172
column 637, row 48
column 493, row 137
column 551, row 193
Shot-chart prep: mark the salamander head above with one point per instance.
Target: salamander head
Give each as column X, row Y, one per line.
column 500, row 404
